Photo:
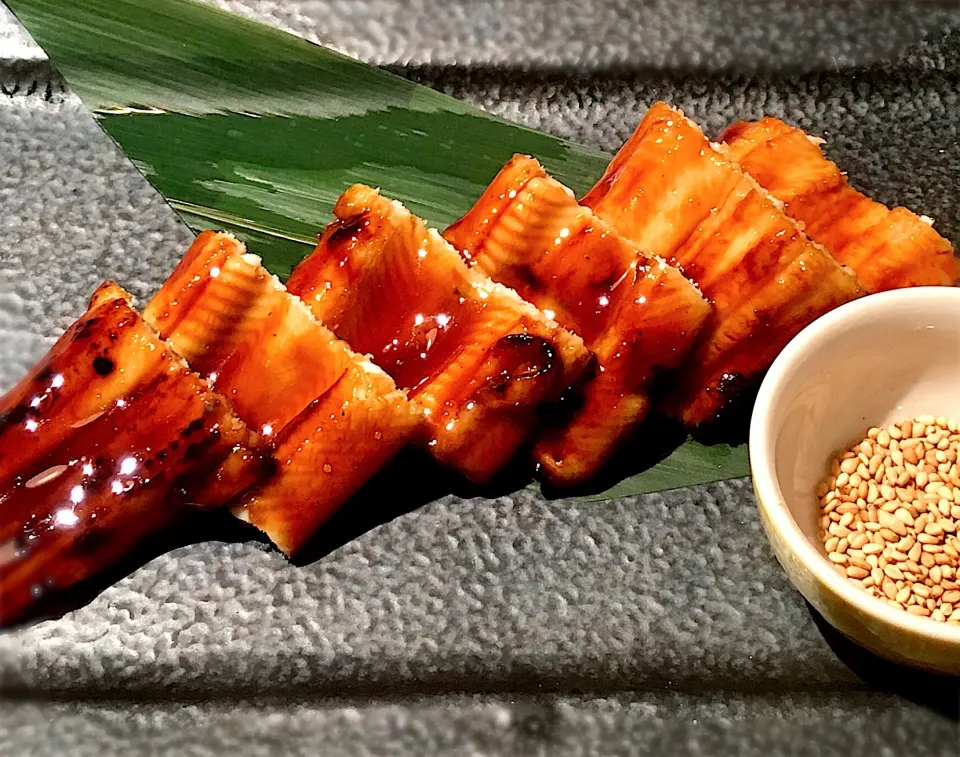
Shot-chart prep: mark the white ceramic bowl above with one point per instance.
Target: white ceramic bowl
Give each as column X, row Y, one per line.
column 881, row 359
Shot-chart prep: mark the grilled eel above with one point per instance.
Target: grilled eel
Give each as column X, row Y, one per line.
column 471, row 354
column 675, row 195
column 637, row 314
column 109, row 439
column 887, row 249
column 333, row 417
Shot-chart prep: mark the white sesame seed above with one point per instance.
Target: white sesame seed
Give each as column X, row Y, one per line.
column 890, row 512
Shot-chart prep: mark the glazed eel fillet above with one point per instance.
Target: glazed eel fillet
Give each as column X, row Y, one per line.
column 637, row 314
column 333, row 418
column 108, row 440
column 472, row 355
column 887, row 249
column 675, row 195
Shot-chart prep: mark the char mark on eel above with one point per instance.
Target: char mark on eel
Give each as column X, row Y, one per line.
column 638, row 314
column 677, row 196
column 472, row 355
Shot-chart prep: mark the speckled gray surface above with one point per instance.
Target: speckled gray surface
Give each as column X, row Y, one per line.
column 655, row 724
column 604, row 34
column 654, row 625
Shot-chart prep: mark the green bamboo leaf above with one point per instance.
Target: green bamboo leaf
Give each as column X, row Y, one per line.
column 249, row 129
column 689, row 465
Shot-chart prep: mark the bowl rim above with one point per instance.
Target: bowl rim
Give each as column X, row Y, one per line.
column 762, row 457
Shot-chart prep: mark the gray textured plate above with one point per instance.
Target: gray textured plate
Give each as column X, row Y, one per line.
column 659, row 624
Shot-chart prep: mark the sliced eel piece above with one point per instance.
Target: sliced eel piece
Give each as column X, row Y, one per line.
column 637, row 314
column 327, row 453
column 673, row 193
column 108, row 440
column 887, row 249
column 476, row 358
column 286, row 375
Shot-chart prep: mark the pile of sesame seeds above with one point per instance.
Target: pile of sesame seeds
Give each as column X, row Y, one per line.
column 890, row 516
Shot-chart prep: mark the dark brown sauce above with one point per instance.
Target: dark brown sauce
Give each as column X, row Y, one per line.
column 422, row 344
column 411, row 327
column 343, row 235
column 85, row 492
